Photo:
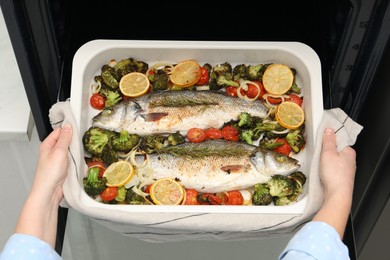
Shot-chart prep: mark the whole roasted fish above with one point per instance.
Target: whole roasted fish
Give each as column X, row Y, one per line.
column 171, row 111
column 219, row 165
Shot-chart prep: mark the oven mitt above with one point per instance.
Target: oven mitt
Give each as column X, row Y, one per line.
column 171, row 227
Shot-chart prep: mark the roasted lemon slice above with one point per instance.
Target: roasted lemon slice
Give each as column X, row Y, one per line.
column 119, row 173
column 134, row 84
column 289, row 115
column 185, row 73
column 277, row 79
column 167, row 191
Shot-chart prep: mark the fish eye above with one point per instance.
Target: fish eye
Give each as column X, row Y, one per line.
column 280, row 158
column 107, row 111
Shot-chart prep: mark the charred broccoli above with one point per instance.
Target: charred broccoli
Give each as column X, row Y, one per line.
column 110, row 77
column 135, row 199
column 109, row 155
column 226, row 80
column 95, row 139
column 175, row 139
column 245, row 120
column 261, row 195
column 298, row 176
column 281, row 201
column 280, row 186
column 124, row 141
column 298, row 179
column 296, row 139
column 160, row 80
column 121, row 196
column 239, row 72
column 152, row 143
column 93, row 185
column 246, row 135
column 254, row 72
column 112, row 96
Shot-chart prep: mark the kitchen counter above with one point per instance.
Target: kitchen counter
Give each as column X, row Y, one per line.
column 15, row 114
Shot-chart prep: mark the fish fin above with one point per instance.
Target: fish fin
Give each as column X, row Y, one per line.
column 234, row 168
column 153, row 117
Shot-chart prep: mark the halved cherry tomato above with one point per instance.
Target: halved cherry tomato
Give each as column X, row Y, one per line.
column 147, row 189
column 296, row 99
column 213, row 133
column 253, row 90
column 204, row 77
column 229, row 132
column 212, row 198
column 97, row 101
column 234, row 198
column 98, row 164
column 283, row 149
column 109, row 194
column 231, row 91
column 191, row 197
column 274, row 100
column 196, row 135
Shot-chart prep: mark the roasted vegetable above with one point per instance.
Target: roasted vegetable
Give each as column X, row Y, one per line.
column 246, row 135
column 239, row 72
column 112, row 96
column 93, row 185
column 135, row 199
column 296, row 139
column 261, row 195
column 110, row 77
column 121, row 196
column 109, row 155
column 298, row 176
column 280, row 186
column 152, row 143
column 282, row 201
column 95, row 139
column 160, row 80
column 175, row 139
column 254, row 72
column 125, row 142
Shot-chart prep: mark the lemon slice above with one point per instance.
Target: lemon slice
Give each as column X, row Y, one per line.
column 277, row 79
column 167, row 191
column 289, row 115
column 134, row 84
column 119, row 173
column 185, row 73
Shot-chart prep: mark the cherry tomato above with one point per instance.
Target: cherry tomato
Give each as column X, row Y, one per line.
column 191, row 197
column 234, row 198
column 274, row 101
column 283, row 149
column 109, row 194
column 229, row 133
column 212, row 198
column 97, row 101
column 196, row 135
column 204, row 77
column 296, row 99
column 98, row 164
column 231, row 91
column 253, row 90
column 147, row 189
column 213, row 133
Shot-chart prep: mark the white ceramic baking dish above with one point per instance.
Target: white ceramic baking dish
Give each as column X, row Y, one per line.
column 90, row 57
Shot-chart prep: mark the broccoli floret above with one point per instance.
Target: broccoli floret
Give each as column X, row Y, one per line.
column 139, row 66
column 280, row 186
column 245, row 120
column 223, row 68
column 246, row 135
column 239, row 72
column 295, row 89
column 124, row 141
column 93, row 186
column 112, row 96
column 175, row 139
column 121, row 196
column 110, row 77
column 160, row 80
column 226, row 80
column 269, row 143
column 135, row 199
column 152, row 143
column 298, row 176
column 261, row 195
column 95, row 139
column 109, row 155
column 254, row 72
column 296, row 139
column 298, row 189
column 282, row 201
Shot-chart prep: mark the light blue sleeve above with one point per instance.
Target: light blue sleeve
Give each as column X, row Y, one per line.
column 20, row 246
column 315, row 240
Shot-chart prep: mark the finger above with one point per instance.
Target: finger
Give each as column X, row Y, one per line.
column 50, row 141
column 65, row 137
column 329, row 140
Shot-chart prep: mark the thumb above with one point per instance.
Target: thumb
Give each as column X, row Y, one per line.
column 65, row 137
column 329, row 140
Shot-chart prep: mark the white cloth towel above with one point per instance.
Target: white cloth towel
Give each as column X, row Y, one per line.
column 169, row 227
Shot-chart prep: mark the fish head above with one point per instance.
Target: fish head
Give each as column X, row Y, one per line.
column 270, row 163
column 112, row 118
